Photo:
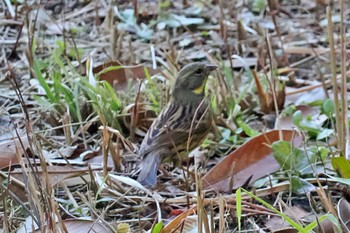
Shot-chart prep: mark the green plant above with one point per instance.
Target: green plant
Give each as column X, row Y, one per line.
column 69, row 94
column 289, row 220
column 104, row 101
column 314, row 129
column 60, row 95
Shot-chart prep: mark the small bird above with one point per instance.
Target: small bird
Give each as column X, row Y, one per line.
column 181, row 126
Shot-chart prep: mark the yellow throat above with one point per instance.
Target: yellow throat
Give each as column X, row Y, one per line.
column 199, row 90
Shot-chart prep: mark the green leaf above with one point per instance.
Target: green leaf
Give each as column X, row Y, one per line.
column 115, row 102
column 319, row 152
column 325, row 133
column 165, row 4
column 289, row 110
column 289, row 157
column 259, row 5
column 247, row 129
column 315, row 223
column 75, row 102
column 108, row 69
column 175, row 21
column 144, row 32
column 239, row 207
column 43, row 102
column 158, row 227
column 328, row 108
column 342, row 166
column 129, row 23
column 316, row 103
column 301, row 186
column 225, row 134
column 34, row 45
column 307, row 124
column 43, row 83
column 297, row 117
column 56, row 77
column 76, row 53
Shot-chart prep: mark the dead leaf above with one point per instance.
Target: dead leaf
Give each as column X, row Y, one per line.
column 143, row 118
column 56, row 173
column 278, row 224
column 266, row 98
column 73, row 152
column 252, row 160
column 9, row 151
column 327, row 226
column 82, row 226
column 71, row 225
column 17, row 189
column 242, row 63
column 118, row 75
column 344, row 214
column 190, row 224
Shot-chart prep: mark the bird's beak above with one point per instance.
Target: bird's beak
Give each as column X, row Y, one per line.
column 211, row 67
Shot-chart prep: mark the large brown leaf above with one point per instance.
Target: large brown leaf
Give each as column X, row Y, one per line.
column 249, row 162
column 119, row 76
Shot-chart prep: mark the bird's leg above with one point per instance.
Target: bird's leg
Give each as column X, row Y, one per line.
column 164, row 171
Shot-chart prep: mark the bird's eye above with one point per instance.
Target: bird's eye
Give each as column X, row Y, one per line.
column 199, row 71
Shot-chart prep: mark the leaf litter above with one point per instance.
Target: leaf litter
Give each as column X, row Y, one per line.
column 273, row 56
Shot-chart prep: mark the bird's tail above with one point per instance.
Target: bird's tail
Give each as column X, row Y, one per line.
column 149, row 167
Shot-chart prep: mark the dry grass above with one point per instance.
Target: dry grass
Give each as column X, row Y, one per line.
column 83, row 135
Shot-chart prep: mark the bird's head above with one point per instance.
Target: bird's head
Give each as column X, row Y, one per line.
column 191, row 79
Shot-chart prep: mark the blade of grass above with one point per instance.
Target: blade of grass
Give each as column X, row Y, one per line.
column 285, row 217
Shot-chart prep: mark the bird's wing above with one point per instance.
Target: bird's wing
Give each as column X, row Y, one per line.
column 170, row 129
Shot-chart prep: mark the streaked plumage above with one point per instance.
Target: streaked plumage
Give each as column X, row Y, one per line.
column 181, row 126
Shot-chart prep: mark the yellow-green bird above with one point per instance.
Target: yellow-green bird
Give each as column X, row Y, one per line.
column 181, row 126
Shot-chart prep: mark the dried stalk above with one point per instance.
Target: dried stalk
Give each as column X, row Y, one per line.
column 344, row 98
column 338, row 114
